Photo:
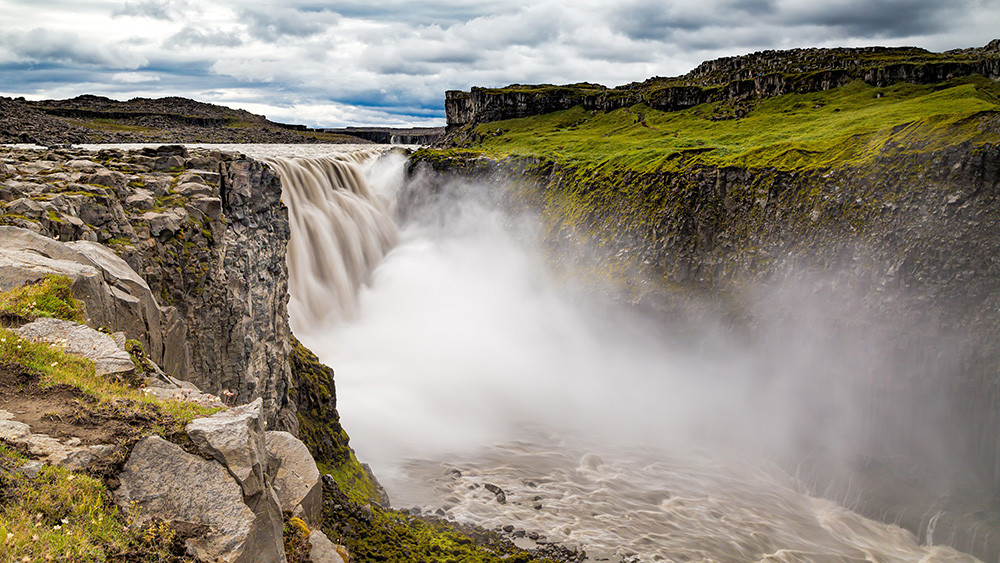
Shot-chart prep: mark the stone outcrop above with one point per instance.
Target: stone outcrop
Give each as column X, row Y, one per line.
column 67, row 453
column 731, row 79
column 240, row 492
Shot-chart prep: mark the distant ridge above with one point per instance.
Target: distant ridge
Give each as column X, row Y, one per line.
column 96, row 119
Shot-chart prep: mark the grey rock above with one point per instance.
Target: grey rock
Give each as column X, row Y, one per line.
column 164, row 163
column 322, row 550
column 31, row 468
column 235, row 438
column 210, row 207
column 297, row 481
column 166, row 482
column 189, row 189
column 137, row 310
column 80, row 340
column 27, row 207
column 115, row 180
column 140, row 199
column 83, row 164
column 166, row 223
column 13, row 431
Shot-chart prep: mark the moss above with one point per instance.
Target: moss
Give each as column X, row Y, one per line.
column 319, row 425
column 50, row 296
column 374, row 533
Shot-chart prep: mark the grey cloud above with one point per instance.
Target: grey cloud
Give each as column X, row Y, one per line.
column 277, row 23
column 658, row 21
column 165, row 10
column 437, row 12
column 62, row 46
column 887, row 19
column 191, row 36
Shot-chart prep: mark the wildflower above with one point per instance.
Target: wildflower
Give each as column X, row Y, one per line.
column 65, row 520
column 53, row 364
column 57, row 527
column 70, row 478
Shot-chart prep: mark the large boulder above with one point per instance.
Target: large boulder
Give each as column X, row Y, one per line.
column 80, row 340
column 297, row 481
column 235, row 438
column 162, row 480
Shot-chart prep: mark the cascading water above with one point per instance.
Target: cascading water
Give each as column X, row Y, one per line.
column 460, row 364
column 341, row 229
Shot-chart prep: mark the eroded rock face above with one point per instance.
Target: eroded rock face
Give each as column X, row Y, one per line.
column 297, row 481
column 205, row 231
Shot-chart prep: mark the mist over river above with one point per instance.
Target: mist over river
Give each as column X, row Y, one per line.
column 479, row 385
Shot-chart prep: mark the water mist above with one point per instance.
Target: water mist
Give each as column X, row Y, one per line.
column 460, row 361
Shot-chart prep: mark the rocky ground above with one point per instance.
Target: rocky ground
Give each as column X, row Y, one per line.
column 94, row 119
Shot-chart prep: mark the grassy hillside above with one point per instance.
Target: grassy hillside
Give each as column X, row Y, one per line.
column 844, row 126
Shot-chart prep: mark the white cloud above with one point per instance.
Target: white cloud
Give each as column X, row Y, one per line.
column 134, row 77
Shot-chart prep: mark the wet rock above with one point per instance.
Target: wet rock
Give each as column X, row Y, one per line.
column 80, row 340
column 501, row 496
column 297, row 481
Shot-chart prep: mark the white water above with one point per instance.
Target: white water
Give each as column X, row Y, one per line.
column 463, row 364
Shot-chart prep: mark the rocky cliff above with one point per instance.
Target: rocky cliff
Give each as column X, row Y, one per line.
column 732, row 79
column 208, row 233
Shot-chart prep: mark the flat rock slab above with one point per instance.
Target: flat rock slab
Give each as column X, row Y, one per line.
column 80, row 340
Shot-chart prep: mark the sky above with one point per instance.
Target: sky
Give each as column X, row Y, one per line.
column 389, row 62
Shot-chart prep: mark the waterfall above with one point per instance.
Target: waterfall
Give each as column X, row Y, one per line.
column 340, row 230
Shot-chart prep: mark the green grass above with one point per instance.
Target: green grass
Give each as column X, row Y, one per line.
column 109, row 125
column 847, row 125
column 50, row 296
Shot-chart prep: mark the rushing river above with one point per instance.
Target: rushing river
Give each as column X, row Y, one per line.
column 461, row 363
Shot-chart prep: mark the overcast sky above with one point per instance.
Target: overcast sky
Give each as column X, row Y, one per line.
column 388, row 62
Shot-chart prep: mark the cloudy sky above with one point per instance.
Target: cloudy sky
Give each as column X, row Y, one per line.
column 388, row 62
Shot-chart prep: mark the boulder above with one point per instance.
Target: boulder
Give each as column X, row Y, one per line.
column 80, row 340
column 141, row 199
column 235, row 438
column 188, row 189
column 322, row 550
column 297, row 481
column 164, row 481
column 166, row 223
column 139, row 314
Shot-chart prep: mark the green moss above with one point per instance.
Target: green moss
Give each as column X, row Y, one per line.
column 50, row 296
column 373, row 533
column 319, row 425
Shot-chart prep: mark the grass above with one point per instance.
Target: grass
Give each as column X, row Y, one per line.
column 846, row 125
column 61, row 515
column 50, row 296
column 109, row 125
